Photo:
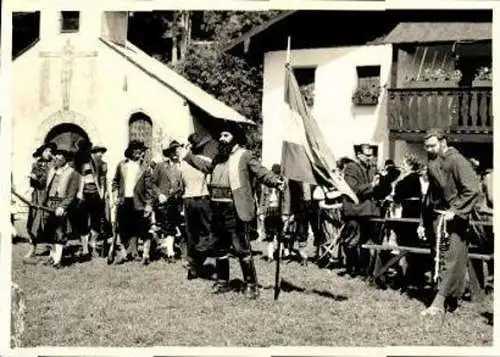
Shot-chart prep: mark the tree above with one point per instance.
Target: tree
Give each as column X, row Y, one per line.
column 230, row 79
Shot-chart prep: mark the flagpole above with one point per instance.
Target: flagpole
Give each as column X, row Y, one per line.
column 288, row 50
column 277, row 279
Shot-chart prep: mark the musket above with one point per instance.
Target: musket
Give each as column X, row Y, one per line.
column 27, row 202
column 112, row 247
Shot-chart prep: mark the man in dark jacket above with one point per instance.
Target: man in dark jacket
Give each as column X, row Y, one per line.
column 362, row 177
column 133, row 194
column 453, row 190
column 232, row 201
column 168, row 188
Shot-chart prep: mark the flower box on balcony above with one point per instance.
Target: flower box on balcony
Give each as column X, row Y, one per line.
column 482, row 83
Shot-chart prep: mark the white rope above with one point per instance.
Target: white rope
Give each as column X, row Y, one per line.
column 441, row 232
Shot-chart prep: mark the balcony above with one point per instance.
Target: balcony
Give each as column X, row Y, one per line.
column 465, row 113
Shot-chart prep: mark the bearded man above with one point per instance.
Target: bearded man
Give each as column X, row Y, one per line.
column 454, row 190
column 232, row 202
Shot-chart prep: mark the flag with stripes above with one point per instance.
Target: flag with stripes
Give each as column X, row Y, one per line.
column 305, row 156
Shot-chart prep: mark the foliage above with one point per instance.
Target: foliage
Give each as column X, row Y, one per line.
column 483, row 74
column 230, row 79
column 224, row 26
column 437, row 75
column 367, row 95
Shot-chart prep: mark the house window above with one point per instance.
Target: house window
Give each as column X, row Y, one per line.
column 70, row 21
column 368, row 76
column 305, row 79
column 368, row 89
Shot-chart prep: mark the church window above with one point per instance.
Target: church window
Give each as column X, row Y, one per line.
column 70, row 21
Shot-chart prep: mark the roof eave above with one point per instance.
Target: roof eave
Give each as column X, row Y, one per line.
column 246, row 37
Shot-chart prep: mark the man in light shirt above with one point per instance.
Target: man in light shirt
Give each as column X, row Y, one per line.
column 197, row 213
column 132, row 193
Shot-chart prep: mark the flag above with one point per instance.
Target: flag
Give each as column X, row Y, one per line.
column 305, row 156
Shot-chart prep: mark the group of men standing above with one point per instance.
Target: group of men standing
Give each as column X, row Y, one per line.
column 210, row 190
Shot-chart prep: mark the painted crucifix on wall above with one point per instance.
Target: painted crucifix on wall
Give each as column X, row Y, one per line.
column 67, row 55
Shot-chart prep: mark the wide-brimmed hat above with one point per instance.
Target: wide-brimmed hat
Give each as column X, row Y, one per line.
column 198, row 140
column 98, row 148
column 38, row 152
column 236, row 130
column 134, row 145
column 174, row 144
column 357, row 148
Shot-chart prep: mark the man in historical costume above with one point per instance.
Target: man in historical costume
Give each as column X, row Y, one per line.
column 168, row 188
column 232, row 200
column 62, row 188
column 38, row 181
column 454, row 191
column 197, row 213
column 361, row 175
column 132, row 192
column 308, row 215
column 271, row 210
column 91, row 196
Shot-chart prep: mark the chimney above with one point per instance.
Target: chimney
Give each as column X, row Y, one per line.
column 115, row 27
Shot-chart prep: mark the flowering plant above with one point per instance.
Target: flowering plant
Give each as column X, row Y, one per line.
column 366, row 94
column 483, row 74
column 438, row 75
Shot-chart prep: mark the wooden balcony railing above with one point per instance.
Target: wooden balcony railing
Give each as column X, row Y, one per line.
column 457, row 110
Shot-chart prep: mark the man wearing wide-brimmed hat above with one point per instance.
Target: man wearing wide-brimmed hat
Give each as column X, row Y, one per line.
column 168, row 188
column 91, row 195
column 232, row 200
column 197, row 213
column 133, row 195
column 38, row 180
column 62, row 187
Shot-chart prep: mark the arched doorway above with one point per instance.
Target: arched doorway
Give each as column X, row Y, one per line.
column 141, row 128
column 66, row 135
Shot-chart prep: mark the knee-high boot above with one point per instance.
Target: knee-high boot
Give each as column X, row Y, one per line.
column 250, row 276
column 222, row 271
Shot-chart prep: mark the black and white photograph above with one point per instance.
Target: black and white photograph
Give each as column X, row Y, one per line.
column 229, row 178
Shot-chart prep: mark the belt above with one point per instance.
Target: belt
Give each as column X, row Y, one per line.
column 217, row 193
column 197, row 198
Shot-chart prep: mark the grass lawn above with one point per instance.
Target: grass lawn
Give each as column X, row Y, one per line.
column 93, row 304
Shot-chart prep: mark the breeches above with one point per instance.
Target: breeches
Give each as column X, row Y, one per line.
column 168, row 217
column 131, row 222
column 229, row 231
column 90, row 213
column 308, row 213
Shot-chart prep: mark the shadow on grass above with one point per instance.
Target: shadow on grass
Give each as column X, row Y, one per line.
column 489, row 318
column 288, row 287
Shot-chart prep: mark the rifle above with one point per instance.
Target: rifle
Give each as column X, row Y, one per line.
column 277, row 279
column 25, row 201
column 112, row 247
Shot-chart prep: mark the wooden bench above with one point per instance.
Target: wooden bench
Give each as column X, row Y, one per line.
column 378, row 271
column 404, row 250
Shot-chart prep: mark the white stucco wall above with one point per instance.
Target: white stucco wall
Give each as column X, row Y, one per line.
column 343, row 124
column 105, row 91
